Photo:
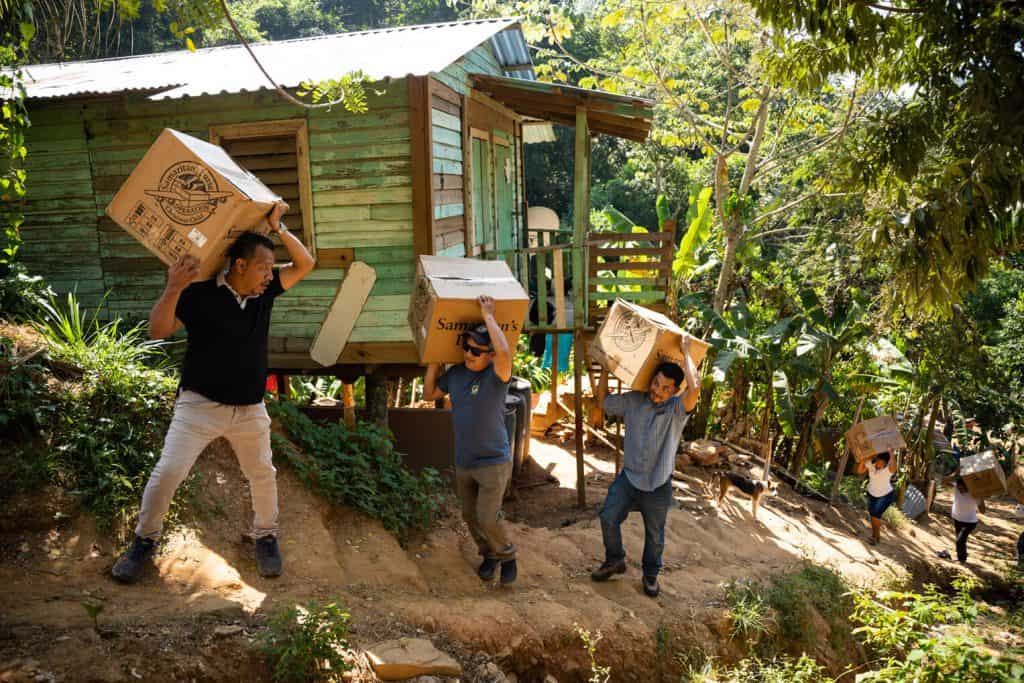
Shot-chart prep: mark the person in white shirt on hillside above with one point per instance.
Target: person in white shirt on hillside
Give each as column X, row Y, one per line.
column 881, row 494
column 965, row 514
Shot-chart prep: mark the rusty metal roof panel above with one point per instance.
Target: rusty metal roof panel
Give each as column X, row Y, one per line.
column 382, row 53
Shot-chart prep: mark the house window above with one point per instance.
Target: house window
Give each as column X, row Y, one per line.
column 276, row 152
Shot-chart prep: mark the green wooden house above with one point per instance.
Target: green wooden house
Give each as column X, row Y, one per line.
column 434, row 167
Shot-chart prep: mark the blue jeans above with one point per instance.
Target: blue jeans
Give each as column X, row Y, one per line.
column 623, row 498
column 877, row 505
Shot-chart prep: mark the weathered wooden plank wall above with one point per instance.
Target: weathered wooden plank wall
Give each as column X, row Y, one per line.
column 447, row 173
column 82, row 151
column 59, row 232
column 362, row 198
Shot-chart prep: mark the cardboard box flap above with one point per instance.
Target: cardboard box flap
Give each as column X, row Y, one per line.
column 499, row 290
column 217, row 159
column 653, row 317
column 453, row 267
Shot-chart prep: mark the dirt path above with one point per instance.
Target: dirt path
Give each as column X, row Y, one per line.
column 206, row 575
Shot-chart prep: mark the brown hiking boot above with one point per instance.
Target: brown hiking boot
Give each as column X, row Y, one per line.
column 607, row 570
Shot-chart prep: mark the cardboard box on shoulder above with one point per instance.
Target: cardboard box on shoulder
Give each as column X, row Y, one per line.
column 444, row 304
column 983, row 475
column 1015, row 484
column 877, row 435
column 633, row 340
column 187, row 196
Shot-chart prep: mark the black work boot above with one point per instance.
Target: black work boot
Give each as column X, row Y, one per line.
column 651, row 587
column 129, row 566
column 607, row 570
column 508, row 572
column 268, row 557
column 487, row 569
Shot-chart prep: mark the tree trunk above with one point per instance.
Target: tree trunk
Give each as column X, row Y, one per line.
column 766, row 439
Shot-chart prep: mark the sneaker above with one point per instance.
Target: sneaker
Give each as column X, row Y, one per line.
column 607, row 570
column 651, row 587
column 487, row 569
column 129, row 566
column 508, row 572
column 268, row 557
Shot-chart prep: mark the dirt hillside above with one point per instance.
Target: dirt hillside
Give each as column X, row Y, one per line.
column 192, row 617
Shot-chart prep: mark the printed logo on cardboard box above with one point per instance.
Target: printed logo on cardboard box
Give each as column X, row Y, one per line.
column 629, row 332
column 188, row 193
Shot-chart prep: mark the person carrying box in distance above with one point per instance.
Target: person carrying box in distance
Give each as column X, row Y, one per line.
column 224, row 373
column 654, row 425
column 483, row 458
column 881, row 494
column 964, row 513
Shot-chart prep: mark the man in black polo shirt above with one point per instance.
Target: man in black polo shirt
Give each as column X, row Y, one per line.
column 227, row 319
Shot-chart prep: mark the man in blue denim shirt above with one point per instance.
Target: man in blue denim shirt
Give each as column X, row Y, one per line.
column 654, row 425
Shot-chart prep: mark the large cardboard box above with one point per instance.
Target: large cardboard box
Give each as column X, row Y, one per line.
column 633, row 340
column 444, row 304
column 877, row 435
column 983, row 475
column 1015, row 484
column 187, row 196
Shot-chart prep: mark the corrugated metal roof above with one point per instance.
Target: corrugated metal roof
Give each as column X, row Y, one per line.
column 382, row 53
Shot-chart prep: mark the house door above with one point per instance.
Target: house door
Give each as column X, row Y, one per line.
column 483, row 192
column 504, row 202
column 494, row 193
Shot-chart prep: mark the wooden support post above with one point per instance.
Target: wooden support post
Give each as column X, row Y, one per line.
column 558, row 284
column 377, row 399
column 283, row 385
column 600, row 392
column 554, row 368
column 348, row 402
column 845, row 458
column 577, row 373
column 412, row 391
column 581, row 217
column 398, row 392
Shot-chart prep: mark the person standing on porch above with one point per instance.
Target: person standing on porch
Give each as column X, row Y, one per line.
column 654, row 425
column 223, row 378
column 483, row 457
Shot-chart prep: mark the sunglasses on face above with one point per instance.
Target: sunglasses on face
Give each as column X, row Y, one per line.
column 474, row 350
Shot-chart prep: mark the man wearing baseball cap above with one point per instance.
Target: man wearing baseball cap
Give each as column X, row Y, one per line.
column 483, row 459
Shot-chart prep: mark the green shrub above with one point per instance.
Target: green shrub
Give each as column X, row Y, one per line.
column 916, row 637
column 851, row 488
column 530, row 367
column 21, row 295
column 306, row 642
column 102, row 431
column 359, row 467
column 815, row 586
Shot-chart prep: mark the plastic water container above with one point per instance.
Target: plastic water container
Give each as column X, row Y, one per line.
column 913, row 502
column 520, row 388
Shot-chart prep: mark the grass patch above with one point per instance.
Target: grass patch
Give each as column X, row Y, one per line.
column 360, row 468
column 747, row 612
column 755, row 670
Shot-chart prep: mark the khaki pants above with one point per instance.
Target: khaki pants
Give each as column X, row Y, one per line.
column 480, row 491
column 197, row 421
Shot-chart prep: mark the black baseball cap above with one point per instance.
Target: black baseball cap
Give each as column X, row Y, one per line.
column 480, row 335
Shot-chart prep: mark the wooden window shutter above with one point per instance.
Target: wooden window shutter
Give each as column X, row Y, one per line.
column 276, row 152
